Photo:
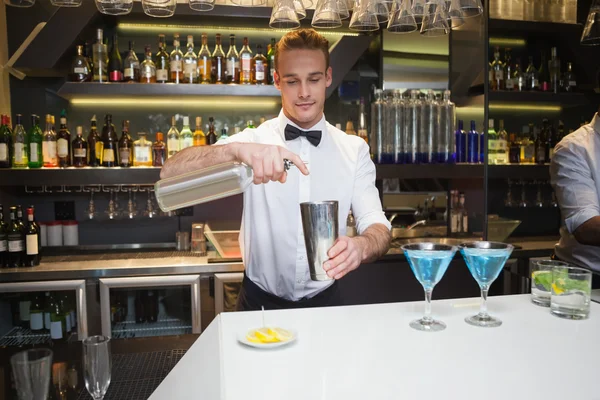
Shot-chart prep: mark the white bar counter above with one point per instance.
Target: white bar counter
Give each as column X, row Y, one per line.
column 369, row 352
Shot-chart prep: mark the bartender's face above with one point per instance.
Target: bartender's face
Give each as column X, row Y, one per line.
column 302, row 77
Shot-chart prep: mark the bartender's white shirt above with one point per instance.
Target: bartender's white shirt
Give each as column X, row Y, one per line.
column 271, row 236
column 575, row 174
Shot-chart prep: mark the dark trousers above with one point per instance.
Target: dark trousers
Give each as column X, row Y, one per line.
column 252, row 297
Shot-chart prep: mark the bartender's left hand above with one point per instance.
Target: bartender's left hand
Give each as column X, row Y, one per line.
column 345, row 256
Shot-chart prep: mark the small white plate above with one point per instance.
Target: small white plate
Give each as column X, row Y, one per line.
column 242, row 339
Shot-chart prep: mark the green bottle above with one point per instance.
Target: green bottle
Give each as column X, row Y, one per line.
column 20, row 144
column 271, row 61
column 36, row 314
column 34, row 139
column 58, row 328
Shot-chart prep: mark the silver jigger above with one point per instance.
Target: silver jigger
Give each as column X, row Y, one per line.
column 320, row 225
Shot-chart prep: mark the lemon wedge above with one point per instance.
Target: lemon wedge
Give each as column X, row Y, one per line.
column 557, row 289
column 251, row 337
column 265, row 336
column 281, row 334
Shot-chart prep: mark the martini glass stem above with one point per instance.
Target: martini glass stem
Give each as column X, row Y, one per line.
column 427, row 315
column 483, row 309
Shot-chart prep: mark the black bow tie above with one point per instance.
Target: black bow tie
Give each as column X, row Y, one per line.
column 291, row 133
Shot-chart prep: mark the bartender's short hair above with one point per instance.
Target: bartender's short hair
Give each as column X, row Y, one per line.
column 302, row 39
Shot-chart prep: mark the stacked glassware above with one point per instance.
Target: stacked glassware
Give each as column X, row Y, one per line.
column 410, row 129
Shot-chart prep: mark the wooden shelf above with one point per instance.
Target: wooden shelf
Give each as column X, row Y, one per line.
column 72, row 90
column 80, row 176
column 430, row 171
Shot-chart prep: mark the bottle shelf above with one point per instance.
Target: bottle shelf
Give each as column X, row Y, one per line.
column 430, row 171
column 554, row 28
column 563, row 98
column 519, row 171
column 80, row 176
column 71, row 90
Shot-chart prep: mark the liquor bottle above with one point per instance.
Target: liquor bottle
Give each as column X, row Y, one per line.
column 80, row 68
column 19, row 144
column 16, row 239
column 540, row 145
column 463, row 214
column 224, row 132
column 250, row 124
column 32, row 250
column 115, row 63
column 531, row 76
column 514, row 151
column 5, row 142
column 211, row 138
column 554, row 68
column 110, row 143
column 460, row 138
column 199, row 137
column 142, row 151
column 88, row 51
column 48, row 307
column 70, row 310
column 131, row 65
column 218, row 74
column 162, row 61
column 498, row 71
column 190, row 63
column 80, row 149
column 173, row 139
column 57, row 321
column 100, row 56
column 204, row 61
column 186, row 136
column 508, row 71
column 36, row 314
column 544, row 75
column 518, row 80
column 35, row 139
column 125, row 147
column 259, row 68
column 245, row 63
column 232, row 73
column 550, row 142
column 63, row 142
column 159, row 151
column 147, row 68
column 37, row 227
column 362, row 121
column 502, row 149
column 271, row 61
column 65, row 313
column 350, row 127
column 176, row 61
column 569, row 81
column 49, row 145
column 454, row 213
column 3, row 240
column 528, row 146
column 473, row 145
column 96, row 146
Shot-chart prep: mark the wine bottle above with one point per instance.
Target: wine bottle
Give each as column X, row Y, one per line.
column 32, row 241
column 95, row 144
column 80, row 149
column 110, row 142
column 125, row 147
column 115, row 63
column 35, row 139
column 3, row 240
column 15, row 237
column 36, row 314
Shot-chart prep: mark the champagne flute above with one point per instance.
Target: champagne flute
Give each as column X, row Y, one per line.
column 96, row 365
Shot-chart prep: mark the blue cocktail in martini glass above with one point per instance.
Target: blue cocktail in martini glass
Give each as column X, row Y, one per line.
column 429, row 262
column 485, row 260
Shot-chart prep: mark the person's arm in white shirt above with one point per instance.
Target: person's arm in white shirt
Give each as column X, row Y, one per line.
column 576, row 192
column 266, row 161
column 374, row 236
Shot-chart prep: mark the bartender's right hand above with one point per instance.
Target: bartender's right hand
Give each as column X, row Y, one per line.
column 266, row 161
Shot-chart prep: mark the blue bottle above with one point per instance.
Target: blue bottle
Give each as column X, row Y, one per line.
column 461, row 143
column 473, row 145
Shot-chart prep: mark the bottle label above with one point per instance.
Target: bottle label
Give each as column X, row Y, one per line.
column 162, row 75
column 572, row 83
column 186, row 142
column 230, row 65
column 108, row 155
column 56, row 330
column 19, row 152
column 49, row 152
column 148, row 73
column 63, row 147
column 15, row 246
column 535, row 83
column 73, row 320
column 493, row 145
column 68, row 322
column 129, row 73
column 24, row 307
column 80, row 153
column 3, row 245
column 190, row 69
column 176, row 66
column 142, row 154
column 510, row 84
column 260, row 71
column 80, row 70
column 3, row 152
column 99, row 150
column 246, row 66
column 32, row 245
column 116, row 76
column 124, row 154
column 47, row 320
column 544, row 86
column 173, row 145
column 36, row 321
column 499, row 75
column 33, row 153
column 465, row 224
column 272, row 72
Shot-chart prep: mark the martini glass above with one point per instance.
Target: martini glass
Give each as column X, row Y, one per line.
column 429, row 262
column 485, row 260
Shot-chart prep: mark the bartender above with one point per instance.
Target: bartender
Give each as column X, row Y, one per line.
column 575, row 174
column 271, row 238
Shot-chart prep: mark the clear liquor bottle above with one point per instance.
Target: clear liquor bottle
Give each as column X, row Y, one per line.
column 245, row 63
column 502, row 151
column 142, row 151
column 204, row 61
column 173, row 139
column 528, row 146
column 232, row 73
column 554, row 67
column 131, row 65
column 508, row 71
column 20, row 144
column 63, row 143
column 199, row 136
column 49, row 145
column 190, row 63
column 162, row 61
column 519, row 80
column 259, row 67
column 100, row 56
column 271, row 60
column 569, row 80
column 531, row 76
column 498, row 71
column 186, row 135
column 148, row 68
column 176, row 61
column 218, row 67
